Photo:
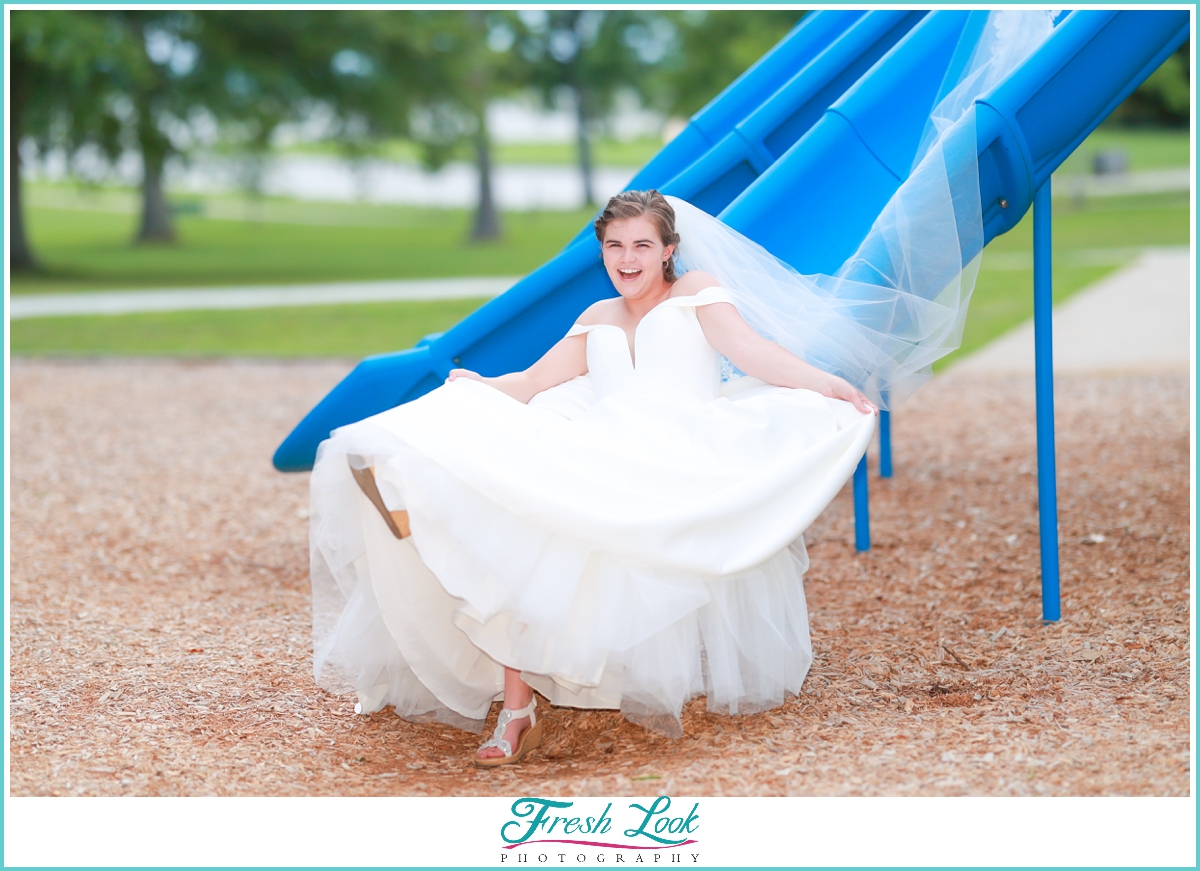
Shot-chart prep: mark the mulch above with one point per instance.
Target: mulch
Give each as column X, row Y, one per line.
column 160, row 610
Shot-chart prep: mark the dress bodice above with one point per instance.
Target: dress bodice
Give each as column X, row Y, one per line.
column 670, row 351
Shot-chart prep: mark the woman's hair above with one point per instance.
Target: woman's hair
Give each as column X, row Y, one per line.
column 652, row 204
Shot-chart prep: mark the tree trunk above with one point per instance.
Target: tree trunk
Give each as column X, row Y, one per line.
column 583, row 119
column 487, row 219
column 21, row 257
column 156, row 225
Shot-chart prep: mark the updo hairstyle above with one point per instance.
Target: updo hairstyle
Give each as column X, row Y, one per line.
column 652, row 204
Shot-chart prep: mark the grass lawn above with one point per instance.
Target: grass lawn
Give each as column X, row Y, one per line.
column 87, row 249
column 1148, row 148
column 310, row 331
column 84, row 243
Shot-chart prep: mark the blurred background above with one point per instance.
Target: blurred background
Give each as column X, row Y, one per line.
column 169, row 150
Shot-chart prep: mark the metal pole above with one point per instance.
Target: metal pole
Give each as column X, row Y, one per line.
column 862, row 513
column 1044, row 362
column 885, row 444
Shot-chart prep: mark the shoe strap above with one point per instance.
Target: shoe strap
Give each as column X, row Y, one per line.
column 530, row 711
column 507, row 715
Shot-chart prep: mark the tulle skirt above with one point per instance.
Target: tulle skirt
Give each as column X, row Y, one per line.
column 537, row 545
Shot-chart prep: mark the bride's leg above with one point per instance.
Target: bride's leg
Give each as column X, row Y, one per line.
column 517, row 694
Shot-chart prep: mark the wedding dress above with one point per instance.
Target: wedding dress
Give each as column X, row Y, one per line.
column 629, row 539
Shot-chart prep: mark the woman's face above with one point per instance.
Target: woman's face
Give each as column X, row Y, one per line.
column 634, row 256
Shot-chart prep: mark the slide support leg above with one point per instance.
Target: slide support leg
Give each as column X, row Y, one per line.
column 1044, row 362
column 885, row 444
column 862, row 511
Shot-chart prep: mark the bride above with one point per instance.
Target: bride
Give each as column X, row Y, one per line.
column 606, row 527
column 619, row 526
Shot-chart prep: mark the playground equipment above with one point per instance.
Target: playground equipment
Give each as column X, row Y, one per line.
column 827, row 124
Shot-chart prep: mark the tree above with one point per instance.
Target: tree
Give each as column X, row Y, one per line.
column 478, row 87
column 372, row 71
column 254, row 70
column 159, row 94
column 62, row 93
column 141, row 79
column 116, row 79
column 593, row 54
column 268, row 67
column 467, row 51
column 714, row 47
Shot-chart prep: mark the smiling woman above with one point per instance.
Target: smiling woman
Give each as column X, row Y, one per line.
column 638, row 245
column 612, row 535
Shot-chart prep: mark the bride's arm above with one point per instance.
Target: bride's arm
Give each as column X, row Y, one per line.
column 730, row 335
column 563, row 362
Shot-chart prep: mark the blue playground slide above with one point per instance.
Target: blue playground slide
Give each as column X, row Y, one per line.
column 801, row 154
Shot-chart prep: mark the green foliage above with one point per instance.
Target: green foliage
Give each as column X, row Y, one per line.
column 1164, row 99
column 266, row 67
column 593, row 54
column 251, row 69
column 62, row 77
column 142, row 79
column 462, row 76
column 68, row 69
column 714, row 48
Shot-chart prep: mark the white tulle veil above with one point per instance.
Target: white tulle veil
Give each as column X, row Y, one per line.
column 899, row 303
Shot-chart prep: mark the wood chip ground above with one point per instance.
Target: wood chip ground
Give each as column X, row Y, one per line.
column 160, row 615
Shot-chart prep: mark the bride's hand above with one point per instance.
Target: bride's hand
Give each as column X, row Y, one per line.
column 463, row 373
column 840, row 388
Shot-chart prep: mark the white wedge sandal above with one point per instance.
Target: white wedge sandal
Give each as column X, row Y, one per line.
column 530, row 738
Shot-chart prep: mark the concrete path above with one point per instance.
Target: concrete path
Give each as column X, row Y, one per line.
column 258, row 296
column 1136, row 320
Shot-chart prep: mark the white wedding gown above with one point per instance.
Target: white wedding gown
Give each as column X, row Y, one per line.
column 629, row 539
